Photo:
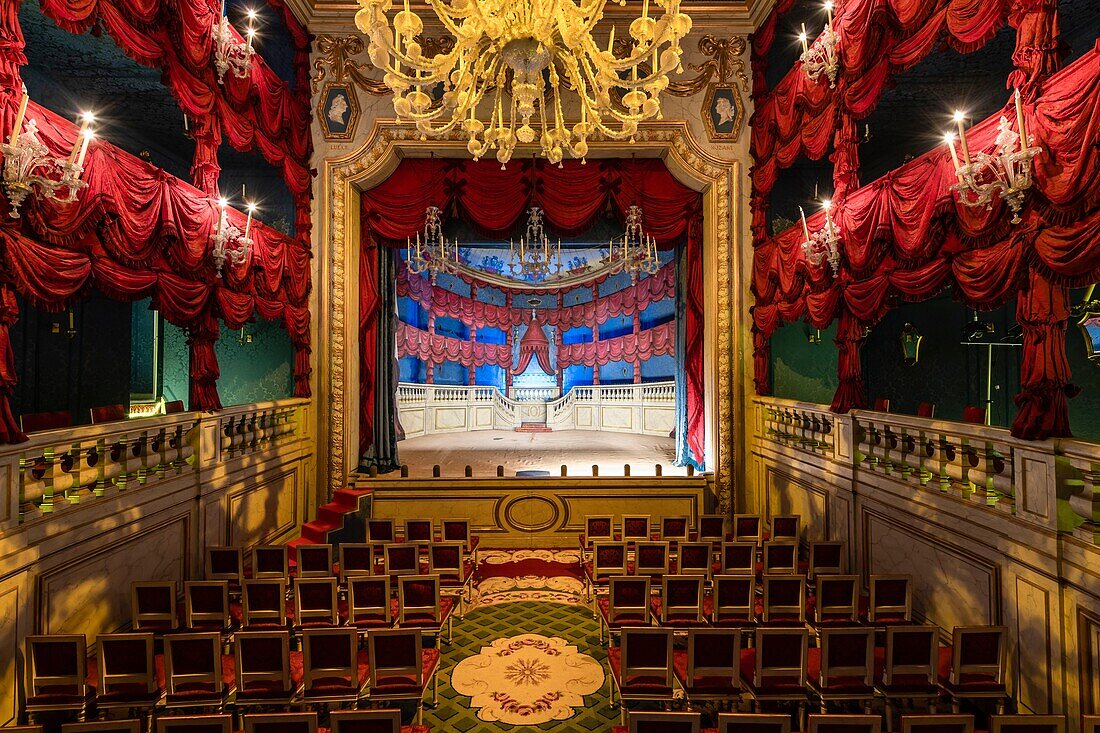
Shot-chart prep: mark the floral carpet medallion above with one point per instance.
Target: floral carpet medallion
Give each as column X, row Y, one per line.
column 527, row 679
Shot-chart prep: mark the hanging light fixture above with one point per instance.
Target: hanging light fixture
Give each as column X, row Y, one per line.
column 635, row 252
column 229, row 53
column 434, row 254
column 531, row 259
column 821, row 55
column 532, row 52
column 824, row 244
column 230, row 244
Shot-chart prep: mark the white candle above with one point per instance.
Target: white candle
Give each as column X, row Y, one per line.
column 805, row 228
column 828, row 221
column 221, row 215
column 645, row 8
column 223, row 8
column 86, row 120
column 251, row 37
column 1020, row 120
column 829, row 13
column 17, row 128
column 248, row 221
column 950, row 140
column 959, row 117
column 803, row 37
column 84, row 148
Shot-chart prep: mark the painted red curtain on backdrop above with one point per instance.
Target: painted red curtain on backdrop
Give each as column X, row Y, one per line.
column 573, row 197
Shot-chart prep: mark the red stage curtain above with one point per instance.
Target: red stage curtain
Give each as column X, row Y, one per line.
column 369, row 302
column 573, row 196
column 436, row 348
column 656, row 341
column 534, row 343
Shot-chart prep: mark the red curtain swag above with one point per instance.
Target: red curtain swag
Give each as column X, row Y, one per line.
column 534, row 343
column 573, row 197
column 906, row 236
column 442, row 302
column 136, row 232
column 435, row 348
column 656, row 341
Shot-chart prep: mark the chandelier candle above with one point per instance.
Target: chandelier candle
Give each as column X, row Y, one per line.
column 805, row 228
column 17, row 128
column 85, row 121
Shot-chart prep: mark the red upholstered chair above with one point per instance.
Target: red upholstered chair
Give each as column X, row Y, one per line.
column 826, row 558
column 270, row 562
column 35, row 422
column 709, row 669
column 419, row 530
column 126, row 677
column 938, row 724
column 57, row 668
column 927, row 409
column 153, row 606
column 664, row 722
column 400, row 668
column 263, row 604
column 380, row 532
column 882, row 404
column 651, row 558
column 195, row 724
column 173, row 407
column 369, row 605
column 627, row 603
column 356, row 560
column 458, row 530
column 401, row 559
column 314, row 561
column 775, row 669
column 694, row 558
column 845, row 724
column 748, row 528
column 371, row 721
column 445, row 560
column 784, row 600
column 713, row 528
column 281, row 723
column 206, row 606
column 842, row 667
column 608, row 559
column 787, row 527
column 636, row 528
column 681, row 601
column 421, row 606
column 263, row 668
column 108, row 413
column 977, row 669
column 734, row 600
column 641, row 666
column 891, row 600
column 780, row 558
column 1027, row 724
column 836, row 601
column 909, row 665
column 974, row 415
column 101, row 726
column 225, row 563
column 738, row 558
column 196, row 674
column 752, row 723
column 674, row 529
column 315, row 603
column 597, row 528
column 333, row 670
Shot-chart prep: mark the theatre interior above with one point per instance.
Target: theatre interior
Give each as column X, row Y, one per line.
column 645, row 366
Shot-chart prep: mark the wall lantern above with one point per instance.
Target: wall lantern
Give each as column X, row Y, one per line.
column 910, row 339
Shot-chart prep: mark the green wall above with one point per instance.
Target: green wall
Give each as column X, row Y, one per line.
column 801, row 370
column 176, row 366
column 258, row 371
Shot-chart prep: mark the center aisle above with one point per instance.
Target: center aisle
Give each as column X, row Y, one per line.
column 527, row 655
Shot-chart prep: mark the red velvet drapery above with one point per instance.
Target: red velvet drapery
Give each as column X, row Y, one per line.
column 572, row 196
column 136, row 232
column 905, row 235
column 534, row 343
column 656, row 341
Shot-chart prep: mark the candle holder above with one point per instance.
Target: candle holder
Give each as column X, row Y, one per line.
column 229, row 53
column 1005, row 172
column 821, row 56
column 230, row 245
column 635, row 252
column 824, row 245
column 431, row 254
column 29, row 165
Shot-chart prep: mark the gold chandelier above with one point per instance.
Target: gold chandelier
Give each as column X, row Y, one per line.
column 533, row 52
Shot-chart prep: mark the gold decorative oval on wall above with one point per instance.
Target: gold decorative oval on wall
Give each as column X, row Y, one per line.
column 527, row 513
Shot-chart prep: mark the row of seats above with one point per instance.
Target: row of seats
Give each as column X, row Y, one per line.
column 193, row 671
column 341, row 721
column 713, row 528
column 691, row 722
column 384, row 531
column 778, row 665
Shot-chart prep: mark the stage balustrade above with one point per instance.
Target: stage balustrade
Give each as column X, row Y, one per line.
column 993, row 529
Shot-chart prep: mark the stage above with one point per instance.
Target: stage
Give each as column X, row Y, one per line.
column 578, row 450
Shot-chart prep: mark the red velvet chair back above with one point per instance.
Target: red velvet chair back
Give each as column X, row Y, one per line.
column 845, row 724
column 270, row 562
column 669, row 722
column 979, row 654
column 882, row 404
column 651, row 558
column 826, row 558
column 674, row 529
column 380, row 531
column 419, row 530
column 682, row 598
column 636, row 527
column 911, row 651
column 599, row 527
column 938, row 724
column 314, row 561
column 315, row 602
column 57, row 662
column 395, row 658
column 974, row 415
column 153, row 606
column 263, row 663
column 195, row 724
column 784, row 598
column 837, row 599
column 369, row 599
column 38, row 421
column 402, row 559
column 647, row 653
column 780, row 656
column 714, row 653
column 891, row 599
column 263, row 603
column 753, row 723
column 173, row 407
column 712, row 528
column 456, row 530
column 781, row 557
column 418, row 598
column 125, row 662
column 281, row 723
column 748, row 528
column 926, row 409
column 1027, row 724
column 629, row 599
column 193, row 660
column 609, row 558
column 734, row 599
column 365, row 721
column 108, row 413
column 445, row 559
column 738, row 558
column 206, row 604
column 328, row 655
column 355, row 560
column 224, row 563
column 694, row 558
column 847, row 654
column 787, row 527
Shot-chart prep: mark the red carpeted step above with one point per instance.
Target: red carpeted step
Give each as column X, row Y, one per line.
column 533, row 427
column 349, row 498
column 317, row 531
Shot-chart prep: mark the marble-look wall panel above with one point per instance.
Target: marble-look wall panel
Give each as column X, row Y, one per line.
column 786, row 494
column 952, row 586
column 1034, row 645
column 90, row 594
column 265, row 511
column 10, row 602
column 1087, row 629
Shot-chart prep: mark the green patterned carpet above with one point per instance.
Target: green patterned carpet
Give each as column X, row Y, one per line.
column 483, row 625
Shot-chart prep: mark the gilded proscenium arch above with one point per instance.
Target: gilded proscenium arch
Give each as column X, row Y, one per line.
column 388, row 143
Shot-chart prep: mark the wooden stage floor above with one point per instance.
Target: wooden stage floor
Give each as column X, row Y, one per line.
column 579, row 450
